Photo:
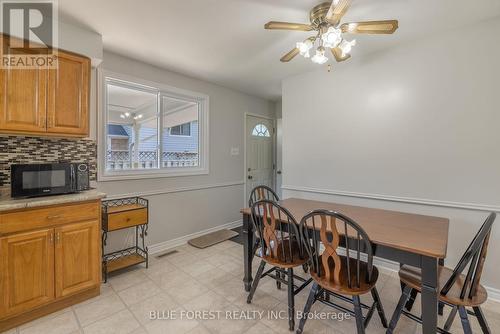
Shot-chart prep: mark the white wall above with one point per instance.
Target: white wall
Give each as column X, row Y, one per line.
column 220, row 196
column 419, row 123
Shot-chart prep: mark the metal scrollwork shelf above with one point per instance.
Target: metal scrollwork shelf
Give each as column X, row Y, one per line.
column 119, row 214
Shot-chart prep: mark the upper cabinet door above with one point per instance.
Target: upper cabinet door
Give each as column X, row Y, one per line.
column 23, row 100
column 68, row 96
column 26, row 271
column 78, row 258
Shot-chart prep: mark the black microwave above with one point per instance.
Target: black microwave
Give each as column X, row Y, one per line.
column 48, row 179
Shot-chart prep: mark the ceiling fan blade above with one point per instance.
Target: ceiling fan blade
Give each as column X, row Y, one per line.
column 290, row 55
column 337, row 53
column 294, row 52
column 337, row 10
column 370, row 27
column 275, row 25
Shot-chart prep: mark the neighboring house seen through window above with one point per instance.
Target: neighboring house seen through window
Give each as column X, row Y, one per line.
column 181, row 130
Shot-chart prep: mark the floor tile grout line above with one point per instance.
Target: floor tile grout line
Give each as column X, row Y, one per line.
column 130, row 311
column 76, row 317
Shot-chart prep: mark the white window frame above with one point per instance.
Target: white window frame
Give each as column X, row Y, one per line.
column 164, row 91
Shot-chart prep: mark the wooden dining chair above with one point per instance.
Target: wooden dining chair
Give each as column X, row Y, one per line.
column 459, row 291
column 259, row 193
column 280, row 247
column 340, row 276
column 262, row 192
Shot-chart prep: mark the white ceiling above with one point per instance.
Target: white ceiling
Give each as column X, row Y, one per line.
column 223, row 41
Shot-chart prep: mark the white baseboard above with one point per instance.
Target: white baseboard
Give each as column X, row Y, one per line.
column 166, row 245
column 493, row 294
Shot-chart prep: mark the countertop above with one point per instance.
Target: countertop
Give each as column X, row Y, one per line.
column 7, row 203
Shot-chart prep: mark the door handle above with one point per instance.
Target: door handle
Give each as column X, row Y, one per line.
column 278, row 172
column 250, row 177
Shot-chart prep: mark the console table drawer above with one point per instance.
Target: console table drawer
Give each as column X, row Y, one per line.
column 119, row 220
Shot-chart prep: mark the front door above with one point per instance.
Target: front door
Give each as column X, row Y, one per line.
column 259, row 153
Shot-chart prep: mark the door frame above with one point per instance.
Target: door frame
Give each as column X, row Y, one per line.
column 245, row 169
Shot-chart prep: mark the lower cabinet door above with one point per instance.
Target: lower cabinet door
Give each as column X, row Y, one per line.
column 26, row 271
column 77, row 258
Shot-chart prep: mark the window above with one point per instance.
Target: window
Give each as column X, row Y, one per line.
column 150, row 130
column 260, row 130
column 181, row 130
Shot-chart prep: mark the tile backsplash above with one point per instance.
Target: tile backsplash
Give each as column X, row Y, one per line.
column 26, row 150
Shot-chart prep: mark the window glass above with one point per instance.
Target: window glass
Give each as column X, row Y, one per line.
column 180, row 144
column 132, row 129
column 260, row 130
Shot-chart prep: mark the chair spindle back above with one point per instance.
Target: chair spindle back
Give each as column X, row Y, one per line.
column 262, row 192
column 333, row 228
column 278, row 232
column 474, row 256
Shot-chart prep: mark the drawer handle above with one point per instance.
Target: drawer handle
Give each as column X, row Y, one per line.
column 54, row 217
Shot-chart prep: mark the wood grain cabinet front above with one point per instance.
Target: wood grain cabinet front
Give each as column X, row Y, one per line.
column 77, row 257
column 45, row 101
column 68, row 97
column 50, row 258
column 26, row 271
column 23, row 95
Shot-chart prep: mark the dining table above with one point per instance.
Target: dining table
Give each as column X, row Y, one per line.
column 405, row 238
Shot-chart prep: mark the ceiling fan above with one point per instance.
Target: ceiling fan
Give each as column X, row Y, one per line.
column 325, row 21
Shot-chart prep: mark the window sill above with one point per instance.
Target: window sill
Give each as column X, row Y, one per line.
column 150, row 174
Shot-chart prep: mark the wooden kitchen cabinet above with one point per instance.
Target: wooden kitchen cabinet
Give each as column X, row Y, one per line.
column 68, row 98
column 50, row 258
column 23, row 99
column 77, row 257
column 46, row 102
column 26, row 271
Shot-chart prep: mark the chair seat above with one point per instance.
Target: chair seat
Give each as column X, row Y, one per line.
column 284, row 259
column 343, row 287
column 412, row 277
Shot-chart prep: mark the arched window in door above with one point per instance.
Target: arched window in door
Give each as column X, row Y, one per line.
column 260, row 130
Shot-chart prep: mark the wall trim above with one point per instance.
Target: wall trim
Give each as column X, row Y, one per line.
column 177, row 190
column 493, row 294
column 459, row 205
column 166, row 245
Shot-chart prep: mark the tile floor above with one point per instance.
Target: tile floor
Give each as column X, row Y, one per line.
column 208, row 280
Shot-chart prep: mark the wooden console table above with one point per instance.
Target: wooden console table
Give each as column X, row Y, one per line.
column 119, row 214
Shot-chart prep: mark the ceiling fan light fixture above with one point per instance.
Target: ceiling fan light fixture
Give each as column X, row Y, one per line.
column 352, row 26
column 332, row 37
column 304, row 48
column 346, row 47
column 319, row 57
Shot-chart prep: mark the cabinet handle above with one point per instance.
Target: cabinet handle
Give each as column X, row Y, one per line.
column 51, row 238
column 58, row 237
column 54, row 217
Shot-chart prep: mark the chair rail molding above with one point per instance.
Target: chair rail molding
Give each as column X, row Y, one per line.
column 411, row 200
column 177, row 190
